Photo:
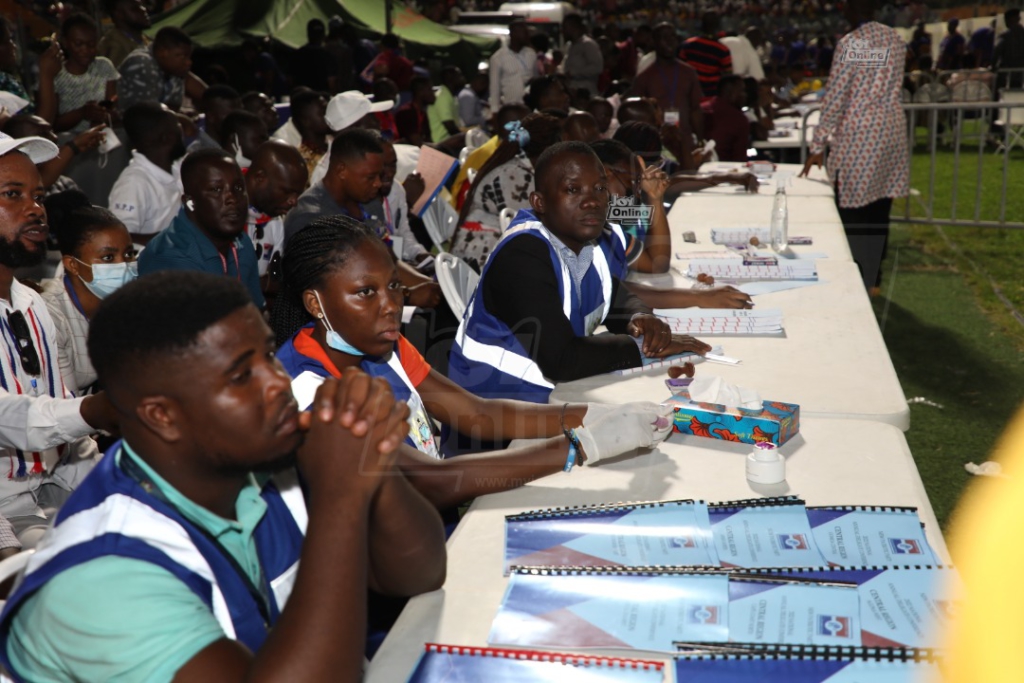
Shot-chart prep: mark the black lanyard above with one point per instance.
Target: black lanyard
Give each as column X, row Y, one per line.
column 260, row 593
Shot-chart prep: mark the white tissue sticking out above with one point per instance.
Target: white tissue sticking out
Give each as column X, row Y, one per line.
column 985, row 469
column 707, row 389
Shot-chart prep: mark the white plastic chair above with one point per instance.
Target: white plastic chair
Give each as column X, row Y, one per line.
column 505, row 218
column 458, row 281
column 1011, row 119
column 440, row 219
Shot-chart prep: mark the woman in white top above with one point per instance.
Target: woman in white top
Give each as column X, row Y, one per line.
column 97, row 257
column 503, row 182
column 80, row 94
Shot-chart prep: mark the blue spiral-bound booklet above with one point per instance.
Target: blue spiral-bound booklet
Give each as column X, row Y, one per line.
column 802, row 664
column 668, row 533
column 863, row 536
column 765, row 532
column 647, row 609
column 899, row 606
column 458, row 664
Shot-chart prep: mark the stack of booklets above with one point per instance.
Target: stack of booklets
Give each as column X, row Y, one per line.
column 645, row 608
column 678, row 359
column 740, row 236
column 752, row 663
column 711, row 322
column 645, row 576
column 763, row 532
column 735, row 270
column 455, row 664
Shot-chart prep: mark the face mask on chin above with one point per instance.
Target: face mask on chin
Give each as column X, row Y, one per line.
column 335, row 340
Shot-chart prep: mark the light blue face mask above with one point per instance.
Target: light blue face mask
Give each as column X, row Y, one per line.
column 107, row 278
column 335, row 340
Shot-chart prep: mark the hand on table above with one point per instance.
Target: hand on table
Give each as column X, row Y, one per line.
column 610, row 430
column 684, row 343
column 725, row 297
column 816, row 159
column 656, row 333
column 747, row 180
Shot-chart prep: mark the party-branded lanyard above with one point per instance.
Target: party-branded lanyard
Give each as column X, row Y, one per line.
column 74, row 295
column 260, row 592
column 387, row 217
column 224, row 263
column 675, row 83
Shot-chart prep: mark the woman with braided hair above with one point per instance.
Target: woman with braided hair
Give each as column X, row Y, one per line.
column 340, row 307
column 504, row 182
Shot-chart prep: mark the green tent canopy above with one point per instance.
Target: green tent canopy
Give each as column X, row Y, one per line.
column 225, row 23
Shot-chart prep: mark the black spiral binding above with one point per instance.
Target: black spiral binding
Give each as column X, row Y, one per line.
column 779, row 651
column 575, row 570
column 864, row 508
column 774, row 571
column 736, row 505
column 575, row 510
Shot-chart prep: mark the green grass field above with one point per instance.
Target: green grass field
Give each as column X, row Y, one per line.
column 947, row 312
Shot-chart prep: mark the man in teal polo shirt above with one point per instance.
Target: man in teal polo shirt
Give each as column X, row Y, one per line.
column 177, row 559
column 208, row 234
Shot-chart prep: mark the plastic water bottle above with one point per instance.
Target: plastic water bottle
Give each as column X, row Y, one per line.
column 779, row 234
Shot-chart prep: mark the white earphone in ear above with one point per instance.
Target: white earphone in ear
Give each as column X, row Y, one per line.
column 189, row 205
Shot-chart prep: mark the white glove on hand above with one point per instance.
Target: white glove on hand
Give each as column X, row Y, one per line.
column 610, row 430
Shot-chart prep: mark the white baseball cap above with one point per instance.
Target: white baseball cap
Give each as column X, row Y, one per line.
column 37, row 149
column 345, row 109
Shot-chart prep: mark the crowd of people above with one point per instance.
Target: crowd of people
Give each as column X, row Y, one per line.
column 226, row 312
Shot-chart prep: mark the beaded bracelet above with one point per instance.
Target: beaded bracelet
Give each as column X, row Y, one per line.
column 574, row 443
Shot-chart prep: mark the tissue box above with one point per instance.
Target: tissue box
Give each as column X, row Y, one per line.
column 777, row 422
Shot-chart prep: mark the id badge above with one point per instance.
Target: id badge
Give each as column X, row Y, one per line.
column 672, row 116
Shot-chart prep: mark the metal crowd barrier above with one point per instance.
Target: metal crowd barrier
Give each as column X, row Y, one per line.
column 1002, row 140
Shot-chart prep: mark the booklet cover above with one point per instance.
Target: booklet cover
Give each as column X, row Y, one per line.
column 859, row 536
column 676, row 533
column 456, row 664
column 765, row 611
column 763, row 533
column 899, row 606
column 595, row 609
column 650, row 610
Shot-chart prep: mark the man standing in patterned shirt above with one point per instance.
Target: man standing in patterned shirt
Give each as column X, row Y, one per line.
column 864, row 126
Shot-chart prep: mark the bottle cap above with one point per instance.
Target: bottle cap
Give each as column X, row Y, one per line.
column 765, row 465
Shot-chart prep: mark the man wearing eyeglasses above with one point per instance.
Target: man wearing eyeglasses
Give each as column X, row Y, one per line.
column 45, row 450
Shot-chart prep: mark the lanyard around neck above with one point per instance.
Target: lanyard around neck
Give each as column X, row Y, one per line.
column 224, row 263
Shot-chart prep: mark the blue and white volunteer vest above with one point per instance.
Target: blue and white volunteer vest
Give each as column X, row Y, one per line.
column 487, row 358
column 111, row 514
column 308, row 373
